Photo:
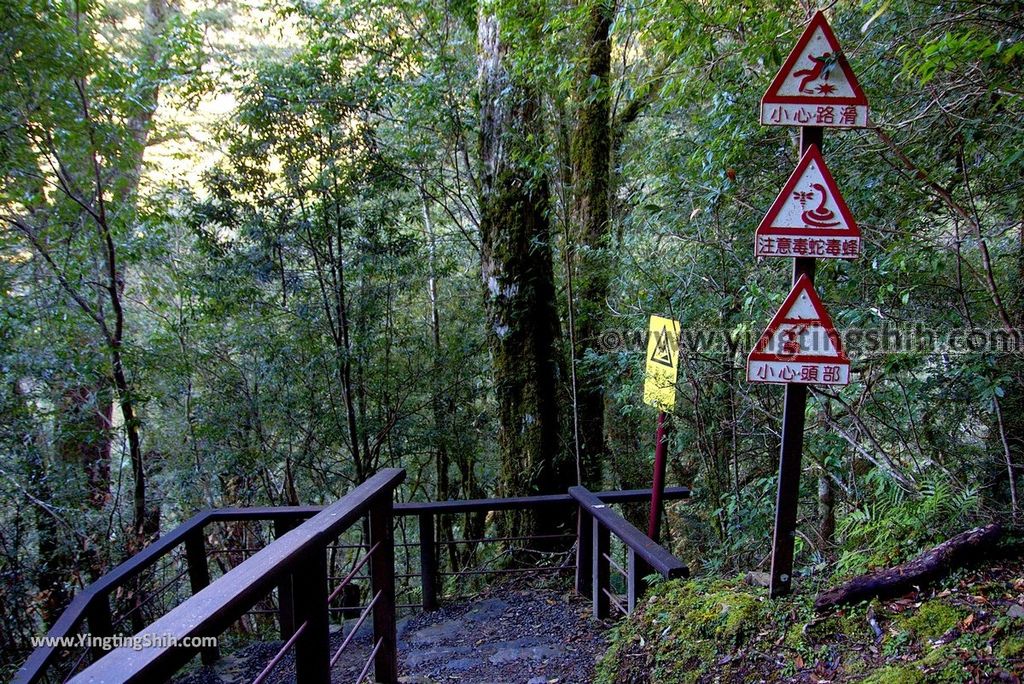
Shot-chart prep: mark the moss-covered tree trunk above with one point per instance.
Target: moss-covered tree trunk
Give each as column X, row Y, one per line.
column 591, row 157
column 516, row 267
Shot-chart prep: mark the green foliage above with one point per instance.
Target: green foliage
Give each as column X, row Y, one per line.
column 948, row 53
column 895, row 525
column 330, row 165
column 705, row 616
column 1012, row 648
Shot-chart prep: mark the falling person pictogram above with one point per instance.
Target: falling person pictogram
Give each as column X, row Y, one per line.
column 819, row 70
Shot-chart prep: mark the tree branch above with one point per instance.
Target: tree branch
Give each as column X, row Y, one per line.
column 961, row 211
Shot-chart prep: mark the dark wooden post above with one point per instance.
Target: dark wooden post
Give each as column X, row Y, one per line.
column 199, row 579
column 285, row 591
column 428, row 561
column 313, row 647
column 100, row 623
column 636, row 586
column 382, row 579
column 602, row 569
column 584, row 551
column 791, row 450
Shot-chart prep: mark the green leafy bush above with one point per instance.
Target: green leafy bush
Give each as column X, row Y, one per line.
column 895, row 525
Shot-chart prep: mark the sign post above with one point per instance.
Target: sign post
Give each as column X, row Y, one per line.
column 815, row 89
column 658, row 481
column 662, row 369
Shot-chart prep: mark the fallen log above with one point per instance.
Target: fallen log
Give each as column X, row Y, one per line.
column 951, row 554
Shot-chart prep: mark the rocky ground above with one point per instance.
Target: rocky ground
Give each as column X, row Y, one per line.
column 506, row 636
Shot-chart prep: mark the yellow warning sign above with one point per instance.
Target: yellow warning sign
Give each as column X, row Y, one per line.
column 662, row 363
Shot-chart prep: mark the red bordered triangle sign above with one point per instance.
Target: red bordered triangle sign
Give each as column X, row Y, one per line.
column 815, row 86
column 800, row 344
column 809, row 218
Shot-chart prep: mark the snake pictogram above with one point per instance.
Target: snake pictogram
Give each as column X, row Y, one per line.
column 821, row 216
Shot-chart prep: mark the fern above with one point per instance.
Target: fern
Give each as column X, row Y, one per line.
column 897, row 525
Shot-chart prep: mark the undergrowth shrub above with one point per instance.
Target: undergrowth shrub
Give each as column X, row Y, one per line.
column 895, row 525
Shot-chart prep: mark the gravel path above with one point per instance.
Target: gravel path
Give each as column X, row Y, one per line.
column 507, row 636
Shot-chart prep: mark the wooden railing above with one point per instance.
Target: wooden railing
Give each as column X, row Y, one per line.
column 186, row 550
column 428, row 512
column 297, row 561
column 594, row 563
column 91, row 608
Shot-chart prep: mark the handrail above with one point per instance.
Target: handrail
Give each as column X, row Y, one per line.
column 76, row 611
column 479, row 505
column 97, row 593
column 429, row 572
column 217, row 606
column 660, row 560
column 597, row 523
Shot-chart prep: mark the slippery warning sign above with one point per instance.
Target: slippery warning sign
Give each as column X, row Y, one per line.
column 662, row 363
column 809, row 218
column 815, row 86
column 800, row 344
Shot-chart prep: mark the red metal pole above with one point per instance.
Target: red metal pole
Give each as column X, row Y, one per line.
column 658, row 484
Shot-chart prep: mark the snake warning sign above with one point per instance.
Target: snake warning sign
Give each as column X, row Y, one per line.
column 809, row 218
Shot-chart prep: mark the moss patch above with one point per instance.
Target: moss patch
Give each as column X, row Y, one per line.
column 931, row 620
column 681, row 628
column 1012, row 648
column 896, row 674
column 703, row 631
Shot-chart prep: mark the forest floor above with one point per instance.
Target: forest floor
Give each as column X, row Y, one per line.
column 505, row 636
column 968, row 628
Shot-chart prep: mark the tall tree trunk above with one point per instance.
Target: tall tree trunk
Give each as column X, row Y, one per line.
column 517, row 272
column 124, row 190
column 591, row 158
column 1007, row 434
column 88, row 436
column 102, row 181
column 343, row 348
column 443, row 420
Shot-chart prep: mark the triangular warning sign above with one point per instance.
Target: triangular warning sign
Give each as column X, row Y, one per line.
column 660, row 370
column 800, row 344
column 662, row 352
column 809, row 217
column 815, row 86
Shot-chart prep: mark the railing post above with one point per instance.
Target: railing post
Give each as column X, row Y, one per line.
column 428, row 561
column 100, row 623
column 285, row 592
column 312, row 648
column 199, row 579
column 636, row 586
column 602, row 568
column 584, row 551
column 382, row 579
